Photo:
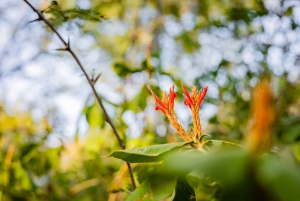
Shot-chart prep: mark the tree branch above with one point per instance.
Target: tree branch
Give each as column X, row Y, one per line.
column 91, row 83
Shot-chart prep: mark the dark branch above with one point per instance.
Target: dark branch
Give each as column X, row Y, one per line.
column 98, row 98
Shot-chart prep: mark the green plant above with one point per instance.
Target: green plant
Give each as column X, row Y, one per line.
column 203, row 167
column 215, row 169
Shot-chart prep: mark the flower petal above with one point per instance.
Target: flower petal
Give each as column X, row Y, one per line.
column 201, row 97
column 158, row 101
column 158, row 107
column 186, row 102
column 187, row 95
column 172, row 96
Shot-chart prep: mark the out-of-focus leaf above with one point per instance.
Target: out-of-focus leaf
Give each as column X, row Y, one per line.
column 184, row 192
column 219, row 144
column 123, row 70
column 205, row 187
column 95, row 116
column 143, row 192
column 144, row 170
column 139, row 102
column 53, row 156
column 21, row 176
column 38, row 163
column 296, row 151
column 281, row 180
column 162, row 186
column 292, row 133
column 157, row 187
column 26, row 148
column 289, row 11
column 146, row 65
column 189, row 41
column 172, row 8
column 225, row 165
column 147, row 154
column 203, row 8
column 236, row 14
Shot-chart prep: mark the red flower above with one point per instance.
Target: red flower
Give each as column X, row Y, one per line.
column 166, row 105
column 194, row 100
column 188, row 100
column 172, row 96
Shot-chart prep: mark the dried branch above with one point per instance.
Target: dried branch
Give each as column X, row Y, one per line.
column 91, row 83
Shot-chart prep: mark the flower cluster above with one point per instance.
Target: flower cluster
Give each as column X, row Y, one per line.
column 193, row 100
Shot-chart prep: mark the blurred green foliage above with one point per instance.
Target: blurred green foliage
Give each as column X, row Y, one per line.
column 31, row 169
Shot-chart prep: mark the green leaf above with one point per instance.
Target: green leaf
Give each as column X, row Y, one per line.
column 144, row 170
column 58, row 16
column 27, row 148
column 156, row 187
column 147, row 154
column 288, row 11
column 279, row 179
column 184, row 191
column 189, row 41
column 296, row 152
column 232, row 161
column 123, row 70
column 143, row 192
column 95, row 116
column 36, row 162
column 292, row 133
column 20, row 176
column 204, row 186
column 139, row 102
column 162, row 186
column 219, row 144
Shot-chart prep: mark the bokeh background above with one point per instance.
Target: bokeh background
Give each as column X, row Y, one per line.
column 53, row 133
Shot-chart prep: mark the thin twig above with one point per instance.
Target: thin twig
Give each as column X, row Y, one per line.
column 99, row 99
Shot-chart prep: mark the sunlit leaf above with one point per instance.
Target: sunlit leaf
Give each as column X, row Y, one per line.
column 143, row 192
column 95, row 116
column 147, row 154
column 157, row 187
column 139, row 102
column 214, row 144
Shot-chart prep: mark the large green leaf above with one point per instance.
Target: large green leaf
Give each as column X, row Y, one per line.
column 147, row 154
column 215, row 144
column 292, row 133
column 162, row 186
column 145, row 170
column 280, row 179
column 233, row 162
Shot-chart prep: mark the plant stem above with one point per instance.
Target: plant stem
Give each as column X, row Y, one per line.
column 91, row 83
